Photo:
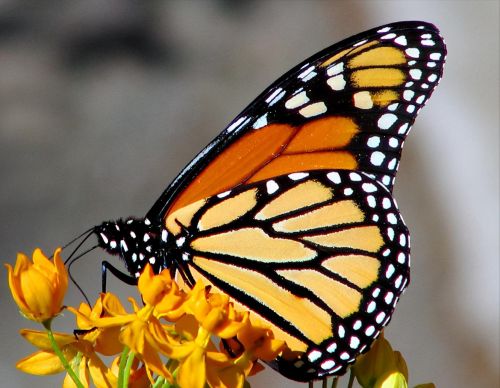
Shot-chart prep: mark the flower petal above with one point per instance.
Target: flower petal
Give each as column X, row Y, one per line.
column 192, row 372
column 40, row 363
column 41, row 340
column 100, row 374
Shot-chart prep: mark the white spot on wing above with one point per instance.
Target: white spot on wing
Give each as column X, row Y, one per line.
column 306, row 72
column 238, row 123
column 273, row 95
column 310, row 76
column 392, row 164
column 401, row 40
column 370, row 331
column 416, row 73
column 313, row 109
column 355, row 177
column 224, row 194
column 373, row 142
column 360, row 43
column 363, row 100
column 403, row 128
column 260, row 122
column 332, row 347
column 314, row 355
column 389, row 271
column 271, row 187
column 412, row 52
column 335, row 69
column 386, row 120
column 369, row 187
column 388, row 36
column 334, row 177
column 337, row 82
column 277, row 97
column 298, row 175
column 377, row 158
column 328, row 364
column 354, row 342
column 393, row 142
column 297, row 100
column 427, row 42
column 408, row 95
column 420, row 99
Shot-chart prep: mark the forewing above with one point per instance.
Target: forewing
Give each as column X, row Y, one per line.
column 348, row 107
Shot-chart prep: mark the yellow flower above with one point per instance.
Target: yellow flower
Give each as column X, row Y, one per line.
column 38, row 288
column 141, row 330
column 258, row 339
column 79, row 353
column 381, row 365
column 160, row 291
column 223, row 372
column 391, row 380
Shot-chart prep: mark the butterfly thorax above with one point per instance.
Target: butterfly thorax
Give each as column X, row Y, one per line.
column 137, row 242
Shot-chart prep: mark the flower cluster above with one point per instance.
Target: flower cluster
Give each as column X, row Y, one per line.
column 167, row 339
column 170, row 339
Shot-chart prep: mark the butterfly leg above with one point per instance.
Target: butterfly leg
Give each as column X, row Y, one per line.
column 106, row 265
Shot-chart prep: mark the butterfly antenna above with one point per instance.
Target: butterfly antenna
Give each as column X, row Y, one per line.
column 87, row 232
column 71, row 259
column 71, row 262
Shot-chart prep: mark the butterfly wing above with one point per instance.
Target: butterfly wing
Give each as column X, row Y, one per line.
column 289, row 210
column 348, row 107
column 321, row 256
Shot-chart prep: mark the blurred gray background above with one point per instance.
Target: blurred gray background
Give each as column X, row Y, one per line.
column 103, row 102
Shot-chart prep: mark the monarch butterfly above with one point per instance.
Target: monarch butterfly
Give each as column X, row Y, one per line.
column 289, row 210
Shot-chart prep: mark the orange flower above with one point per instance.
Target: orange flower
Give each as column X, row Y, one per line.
column 38, row 288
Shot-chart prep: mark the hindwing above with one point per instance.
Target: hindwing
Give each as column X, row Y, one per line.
column 321, row 256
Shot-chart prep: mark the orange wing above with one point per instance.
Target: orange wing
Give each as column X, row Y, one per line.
column 348, row 107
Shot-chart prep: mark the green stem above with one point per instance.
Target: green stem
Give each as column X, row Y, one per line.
column 128, row 368
column 121, row 369
column 159, row 382
column 60, row 354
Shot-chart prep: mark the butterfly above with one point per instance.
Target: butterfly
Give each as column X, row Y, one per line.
column 290, row 210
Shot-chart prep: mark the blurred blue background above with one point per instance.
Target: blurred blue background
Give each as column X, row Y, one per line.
column 103, row 102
